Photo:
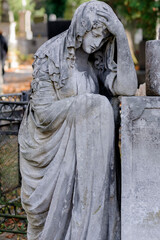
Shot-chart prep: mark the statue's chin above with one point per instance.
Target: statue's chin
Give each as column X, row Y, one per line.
column 88, row 50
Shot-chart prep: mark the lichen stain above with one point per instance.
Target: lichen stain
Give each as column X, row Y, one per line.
column 152, row 217
column 97, row 210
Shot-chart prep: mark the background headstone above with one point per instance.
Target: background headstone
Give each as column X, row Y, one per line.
column 5, row 9
column 57, row 27
column 25, row 24
column 140, row 168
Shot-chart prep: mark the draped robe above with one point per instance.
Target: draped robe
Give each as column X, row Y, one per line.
column 67, row 153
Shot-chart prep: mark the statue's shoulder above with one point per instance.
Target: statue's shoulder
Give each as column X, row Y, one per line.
column 50, row 46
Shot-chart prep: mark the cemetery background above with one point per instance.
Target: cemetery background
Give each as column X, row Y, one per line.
column 23, row 42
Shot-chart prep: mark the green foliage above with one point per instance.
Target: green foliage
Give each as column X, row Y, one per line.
column 71, row 6
column 134, row 13
column 140, row 13
column 39, row 12
column 24, row 58
column 55, row 6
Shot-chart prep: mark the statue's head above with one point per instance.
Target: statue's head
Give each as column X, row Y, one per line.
column 95, row 38
column 88, row 27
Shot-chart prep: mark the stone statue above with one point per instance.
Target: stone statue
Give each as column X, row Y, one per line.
column 67, row 134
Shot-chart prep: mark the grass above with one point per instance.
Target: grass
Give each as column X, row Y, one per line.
column 9, row 172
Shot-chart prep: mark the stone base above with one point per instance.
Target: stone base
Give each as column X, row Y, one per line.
column 140, row 168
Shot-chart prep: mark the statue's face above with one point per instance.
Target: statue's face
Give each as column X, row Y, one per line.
column 93, row 40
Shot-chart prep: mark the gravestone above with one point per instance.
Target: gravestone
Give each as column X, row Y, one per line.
column 25, row 24
column 140, row 168
column 12, row 28
column 5, row 9
column 12, row 42
column 56, row 27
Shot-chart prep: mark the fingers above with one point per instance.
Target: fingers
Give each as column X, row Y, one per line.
column 106, row 9
column 102, row 13
column 103, row 20
column 105, row 15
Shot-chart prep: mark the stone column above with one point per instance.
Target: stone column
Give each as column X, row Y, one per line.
column 140, row 148
column 12, row 29
column 140, row 212
column 153, row 68
column 12, row 42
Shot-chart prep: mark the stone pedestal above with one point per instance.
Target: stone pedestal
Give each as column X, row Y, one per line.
column 140, row 168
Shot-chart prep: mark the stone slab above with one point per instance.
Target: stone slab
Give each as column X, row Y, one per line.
column 140, row 168
column 153, row 68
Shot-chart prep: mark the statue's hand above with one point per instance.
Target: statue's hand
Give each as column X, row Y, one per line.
column 112, row 22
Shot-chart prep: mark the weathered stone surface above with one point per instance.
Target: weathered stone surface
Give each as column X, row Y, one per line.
column 67, row 136
column 140, row 168
column 153, row 68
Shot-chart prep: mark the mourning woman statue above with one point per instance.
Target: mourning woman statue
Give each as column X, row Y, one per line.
column 67, row 134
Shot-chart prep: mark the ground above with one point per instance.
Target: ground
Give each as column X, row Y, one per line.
column 5, row 236
column 17, row 79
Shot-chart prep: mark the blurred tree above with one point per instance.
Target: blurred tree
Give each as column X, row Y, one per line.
column 134, row 13
column 140, row 13
column 55, row 6
column 71, row 6
column 18, row 5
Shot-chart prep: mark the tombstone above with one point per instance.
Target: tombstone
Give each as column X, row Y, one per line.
column 4, row 19
column 58, row 26
column 141, row 156
column 12, row 58
column 5, row 9
column 140, row 168
column 25, row 24
column 12, row 34
column 39, row 27
column 52, row 17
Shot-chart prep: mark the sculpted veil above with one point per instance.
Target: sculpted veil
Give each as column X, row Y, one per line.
column 67, row 134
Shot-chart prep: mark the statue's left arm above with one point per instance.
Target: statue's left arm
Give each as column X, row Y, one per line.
column 125, row 82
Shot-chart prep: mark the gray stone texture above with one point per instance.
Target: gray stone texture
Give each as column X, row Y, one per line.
column 140, row 168
column 153, row 68
column 67, row 135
